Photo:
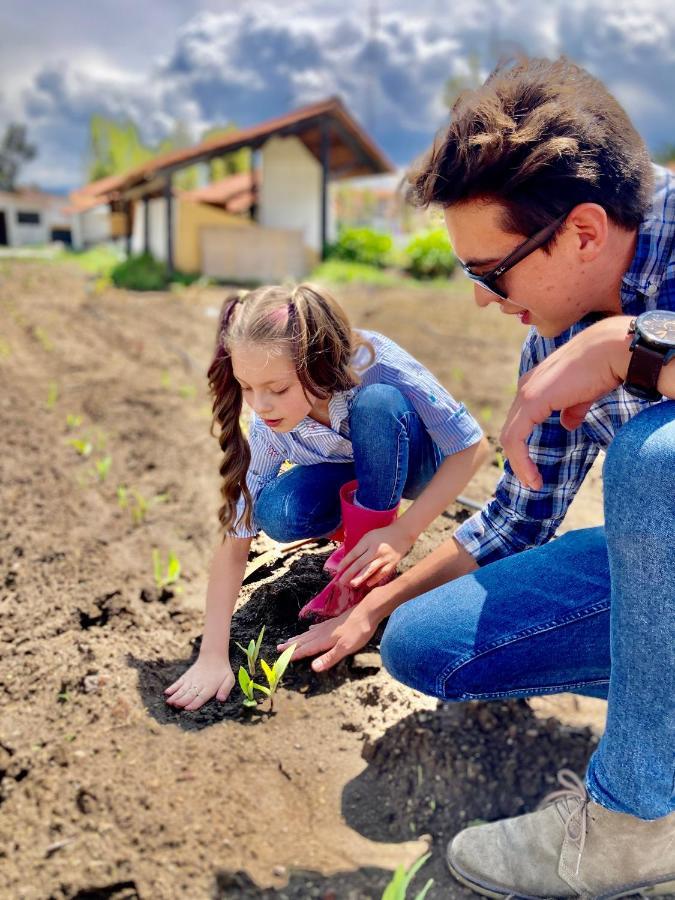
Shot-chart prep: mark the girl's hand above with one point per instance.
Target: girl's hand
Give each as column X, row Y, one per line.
column 375, row 556
column 210, row 676
column 340, row 636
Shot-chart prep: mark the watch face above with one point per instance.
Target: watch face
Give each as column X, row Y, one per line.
column 658, row 327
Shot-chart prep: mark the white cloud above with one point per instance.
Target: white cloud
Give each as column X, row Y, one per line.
column 228, row 62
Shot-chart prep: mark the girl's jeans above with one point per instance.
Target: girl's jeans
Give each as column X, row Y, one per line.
column 592, row 612
column 394, row 457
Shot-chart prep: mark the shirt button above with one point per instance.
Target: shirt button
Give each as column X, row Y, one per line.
column 651, row 290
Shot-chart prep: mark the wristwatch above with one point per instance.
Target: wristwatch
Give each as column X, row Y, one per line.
column 652, row 347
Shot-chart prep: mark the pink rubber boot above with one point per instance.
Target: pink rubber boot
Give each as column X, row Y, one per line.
column 335, row 599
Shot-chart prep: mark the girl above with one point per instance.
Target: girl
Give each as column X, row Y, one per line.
column 364, row 423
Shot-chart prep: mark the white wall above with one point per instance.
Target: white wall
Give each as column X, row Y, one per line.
column 290, row 195
column 49, row 208
column 157, row 246
column 92, row 227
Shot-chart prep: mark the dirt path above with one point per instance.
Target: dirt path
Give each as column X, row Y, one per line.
column 107, row 792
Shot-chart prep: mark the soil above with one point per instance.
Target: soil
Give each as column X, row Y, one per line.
column 107, row 792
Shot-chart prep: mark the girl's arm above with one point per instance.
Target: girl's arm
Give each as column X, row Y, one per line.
column 378, row 553
column 211, row 674
column 450, row 479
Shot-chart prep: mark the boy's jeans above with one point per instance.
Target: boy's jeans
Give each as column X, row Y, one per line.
column 394, row 457
column 592, row 612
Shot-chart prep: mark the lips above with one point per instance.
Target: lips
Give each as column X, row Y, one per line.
column 272, row 422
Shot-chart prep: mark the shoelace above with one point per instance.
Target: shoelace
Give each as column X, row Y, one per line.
column 572, row 788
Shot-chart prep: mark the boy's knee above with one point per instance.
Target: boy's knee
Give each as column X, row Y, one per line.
column 643, row 451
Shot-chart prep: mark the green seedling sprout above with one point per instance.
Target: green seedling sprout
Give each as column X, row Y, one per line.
column 52, row 394
column 83, row 447
column 248, row 685
column 275, row 674
column 171, row 575
column 43, row 339
column 165, row 379
column 103, row 467
column 73, row 421
column 252, row 651
column 5, row 349
column 399, row 884
column 187, row 391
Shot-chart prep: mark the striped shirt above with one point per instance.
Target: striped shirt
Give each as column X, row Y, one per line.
column 518, row 517
column 448, row 422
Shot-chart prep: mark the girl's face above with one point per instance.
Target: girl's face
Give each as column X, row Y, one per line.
column 270, row 386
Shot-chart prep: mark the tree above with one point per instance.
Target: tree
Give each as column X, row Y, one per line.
column 114, row 147
column 14, row 152
column 230, row 163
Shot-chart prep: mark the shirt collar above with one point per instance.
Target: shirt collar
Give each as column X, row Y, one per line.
column 652, row 248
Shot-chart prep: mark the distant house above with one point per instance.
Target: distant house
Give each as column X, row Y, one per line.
column 268, row 224
column 29, row 217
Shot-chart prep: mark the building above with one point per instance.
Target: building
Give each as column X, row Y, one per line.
column 271, row 223
column 29, row 217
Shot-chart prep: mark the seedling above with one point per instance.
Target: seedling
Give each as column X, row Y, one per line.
column 274, row 675
column 73, row 421
column 170, row 575
column 137, row 504
column 83, row 447
column 103, row 467
column 248, row 685
column 252, row 651
column 41, row 336
column 486, row 413
column 52, row 394
column 399, row 884
column 165, row 379
column 187, row 391
column 5, row 349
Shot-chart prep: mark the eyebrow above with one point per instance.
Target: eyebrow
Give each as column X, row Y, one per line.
column 474, row 263
column 266, row 383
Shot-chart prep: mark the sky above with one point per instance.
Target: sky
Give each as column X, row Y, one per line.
column 207, row 63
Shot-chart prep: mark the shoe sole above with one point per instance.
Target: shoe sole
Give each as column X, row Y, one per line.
column 494, row 891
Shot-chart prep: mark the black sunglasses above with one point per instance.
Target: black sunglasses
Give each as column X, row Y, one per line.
column 529, row 245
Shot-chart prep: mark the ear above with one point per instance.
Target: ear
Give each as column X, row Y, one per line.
column 589, row 227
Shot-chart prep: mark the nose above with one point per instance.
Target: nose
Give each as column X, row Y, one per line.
column 262, row 405
column 482, row 297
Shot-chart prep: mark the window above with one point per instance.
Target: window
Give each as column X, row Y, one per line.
column 27, row 218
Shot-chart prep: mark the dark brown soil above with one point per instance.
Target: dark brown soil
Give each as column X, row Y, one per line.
column 105, row 791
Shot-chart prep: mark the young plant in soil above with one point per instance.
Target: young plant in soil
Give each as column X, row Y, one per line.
column 275, row 674
column 73, row 421
column 103, row 467
column 170, row 575
column 248, row 686
column 82, row 447
column 398, row 886
column 252, row 651
column 137, row 504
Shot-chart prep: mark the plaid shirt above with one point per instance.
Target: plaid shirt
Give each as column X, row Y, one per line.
column 517, row 517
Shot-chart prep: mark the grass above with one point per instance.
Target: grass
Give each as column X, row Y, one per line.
column 337, row 271
column 100, row 260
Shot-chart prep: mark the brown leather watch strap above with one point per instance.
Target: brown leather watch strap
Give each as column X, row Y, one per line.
column 643, row 373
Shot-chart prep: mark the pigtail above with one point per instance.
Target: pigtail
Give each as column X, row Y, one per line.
column 227, row 402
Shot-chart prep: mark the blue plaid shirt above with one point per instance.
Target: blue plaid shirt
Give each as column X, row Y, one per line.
column 518, row 517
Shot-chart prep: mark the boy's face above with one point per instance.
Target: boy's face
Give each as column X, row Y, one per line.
column 546, row 290
column 270, row 386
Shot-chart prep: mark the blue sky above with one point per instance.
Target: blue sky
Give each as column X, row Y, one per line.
column 206, row 63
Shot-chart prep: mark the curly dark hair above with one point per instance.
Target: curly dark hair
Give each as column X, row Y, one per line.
column 539, row 137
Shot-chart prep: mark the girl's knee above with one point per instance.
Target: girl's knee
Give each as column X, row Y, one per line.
column 375, row 400
column 273, row 515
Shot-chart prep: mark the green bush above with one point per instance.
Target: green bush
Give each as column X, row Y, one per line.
column 362, row 245
column 429, row 255
column 145, row 273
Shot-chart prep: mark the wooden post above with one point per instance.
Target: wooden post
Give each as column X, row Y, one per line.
column 146, row 224
column 325, row 171
column 168, row 196
column 253, row 211
column 128, row 226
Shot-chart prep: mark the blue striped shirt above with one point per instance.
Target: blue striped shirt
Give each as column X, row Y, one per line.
column 448, row 422
column 518, row 517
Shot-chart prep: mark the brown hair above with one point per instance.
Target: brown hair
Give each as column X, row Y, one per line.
column 539, row 137
column 315, row 332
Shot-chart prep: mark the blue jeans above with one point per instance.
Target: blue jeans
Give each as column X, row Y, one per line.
column 591, row 612
column 394, row 457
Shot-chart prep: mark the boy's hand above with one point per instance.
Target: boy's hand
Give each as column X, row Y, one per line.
column 570, row 380
column 340, row 636
column 375, row 557
column 210, row 676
